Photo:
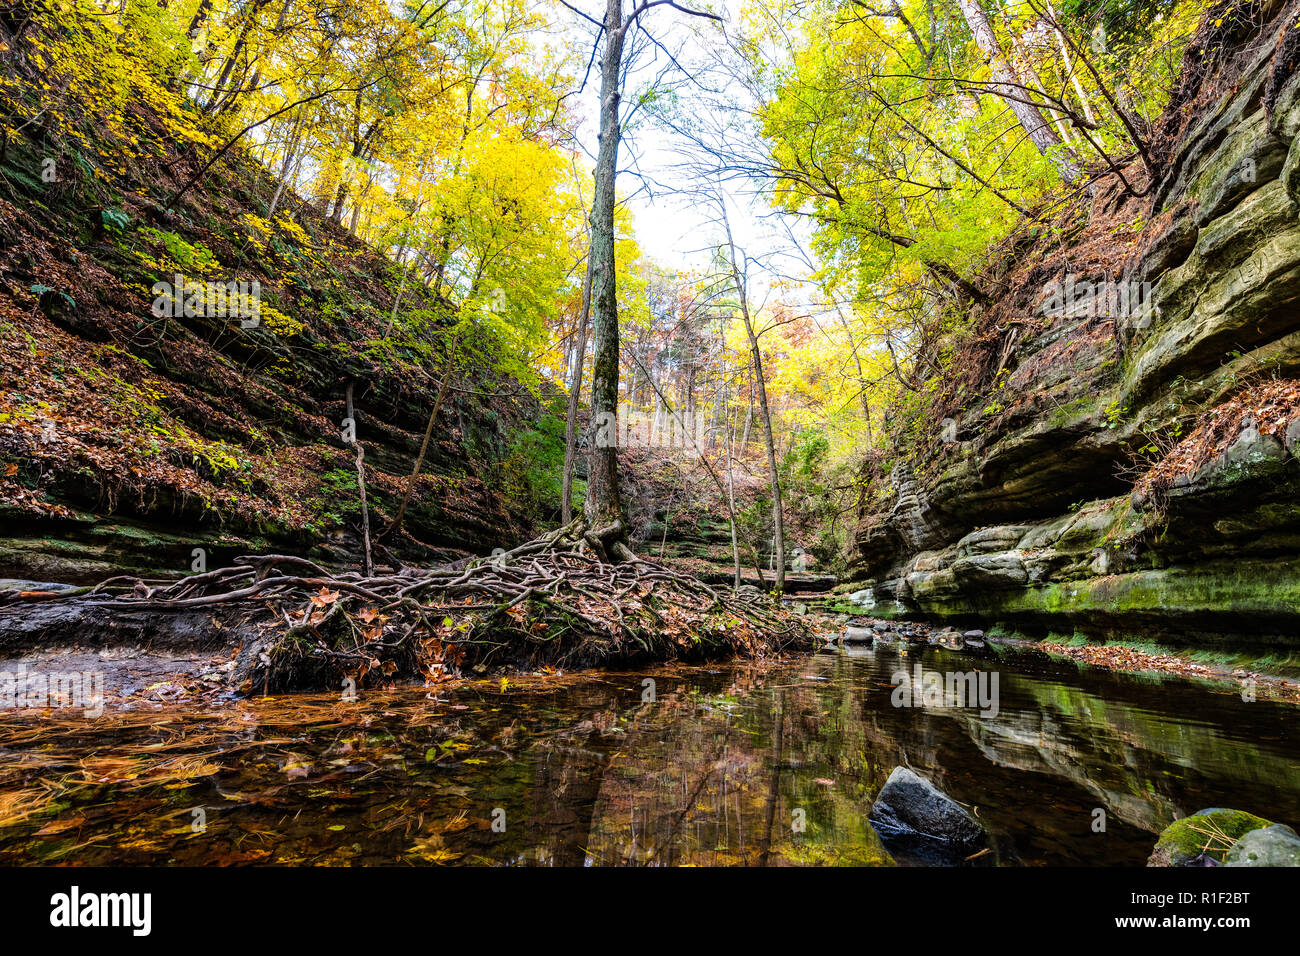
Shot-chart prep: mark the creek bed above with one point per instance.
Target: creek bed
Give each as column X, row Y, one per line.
column 756, row 763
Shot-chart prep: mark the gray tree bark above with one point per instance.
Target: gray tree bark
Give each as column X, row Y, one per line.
column 1014, row 92
column 575, row 391
column 603, row 507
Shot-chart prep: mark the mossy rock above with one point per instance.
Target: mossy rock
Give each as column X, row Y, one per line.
column 1182, row 841
column 1277, row 845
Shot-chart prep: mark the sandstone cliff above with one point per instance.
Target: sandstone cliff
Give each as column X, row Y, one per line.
column 1126, row 464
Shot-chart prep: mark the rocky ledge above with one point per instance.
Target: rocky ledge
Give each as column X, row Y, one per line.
column 1126, row 473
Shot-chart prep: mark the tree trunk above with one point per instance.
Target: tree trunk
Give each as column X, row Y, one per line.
column 218, row 88
column 361, row 485
column 424, row 445
column 1015, row 93
column 756, row 360
column 731, row 509
column 289, row 163
column 603, row 507
column 1079, row 91
column 575, row 392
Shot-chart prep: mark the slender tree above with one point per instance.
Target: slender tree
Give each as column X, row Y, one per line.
column 1013, row 90
column 756, row 360
column 603, row 508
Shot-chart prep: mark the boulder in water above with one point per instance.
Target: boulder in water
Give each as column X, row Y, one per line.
column 859, row 635
column 915, row 818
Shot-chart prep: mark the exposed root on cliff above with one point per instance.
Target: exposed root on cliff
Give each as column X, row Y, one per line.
column 554, row 602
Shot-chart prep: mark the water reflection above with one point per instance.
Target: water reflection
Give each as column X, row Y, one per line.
column 750, row 764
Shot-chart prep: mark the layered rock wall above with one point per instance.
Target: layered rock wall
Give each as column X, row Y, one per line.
column 1060, row 504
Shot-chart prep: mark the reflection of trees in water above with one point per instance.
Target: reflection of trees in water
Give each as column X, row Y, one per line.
column 713, row 771
column 710, row 773
column 705, row 778
column 562, row 798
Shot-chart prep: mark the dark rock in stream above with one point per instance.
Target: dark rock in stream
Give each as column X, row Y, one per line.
column 914, row 818
column 948, row 638
column 82, row 622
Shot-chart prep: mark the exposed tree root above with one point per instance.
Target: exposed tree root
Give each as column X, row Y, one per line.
column 557, row 601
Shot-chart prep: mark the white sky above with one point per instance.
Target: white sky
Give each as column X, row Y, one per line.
column 674, row 230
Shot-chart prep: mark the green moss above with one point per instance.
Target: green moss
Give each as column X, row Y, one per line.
column 1242, row 587
column 1073, row 411
column 844, row 607
column 1212, row 833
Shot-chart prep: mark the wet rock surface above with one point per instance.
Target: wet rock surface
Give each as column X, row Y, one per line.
column 1277, row 845
column 83, row 622
column 917, row 820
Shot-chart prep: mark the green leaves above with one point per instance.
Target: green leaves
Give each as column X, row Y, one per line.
column 114, row 220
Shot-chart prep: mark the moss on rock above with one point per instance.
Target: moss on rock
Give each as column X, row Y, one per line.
column 1212, row 832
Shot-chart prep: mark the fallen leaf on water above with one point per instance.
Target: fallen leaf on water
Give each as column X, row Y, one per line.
column 58, row 826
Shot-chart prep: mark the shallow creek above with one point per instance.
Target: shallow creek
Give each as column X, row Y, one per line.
column 769, row 763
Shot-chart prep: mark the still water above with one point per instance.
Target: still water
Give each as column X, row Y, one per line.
column 752, row 764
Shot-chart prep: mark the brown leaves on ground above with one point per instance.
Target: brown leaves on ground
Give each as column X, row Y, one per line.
column 1269, row 407
column 1119, row 657
column 324, row 597
column 112, row 404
